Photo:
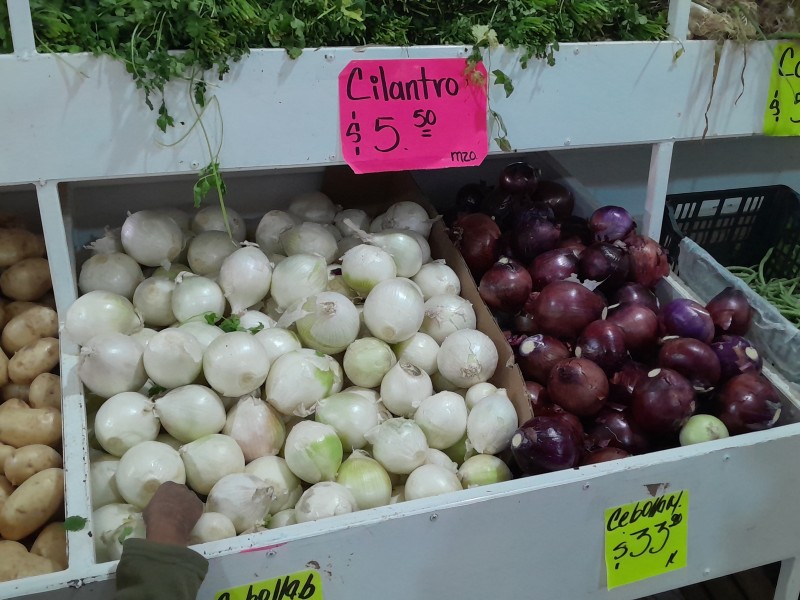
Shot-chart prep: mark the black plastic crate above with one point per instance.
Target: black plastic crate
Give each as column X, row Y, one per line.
column 737, row 227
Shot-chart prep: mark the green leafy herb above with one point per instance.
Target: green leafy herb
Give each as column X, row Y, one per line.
column 230, row 324
column 124, row 534
column 501, row 78
column 156, row 390
column 75, row 523
column 256, row 328
column 211, row 318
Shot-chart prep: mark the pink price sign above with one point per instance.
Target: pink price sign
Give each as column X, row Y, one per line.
column 397, row 115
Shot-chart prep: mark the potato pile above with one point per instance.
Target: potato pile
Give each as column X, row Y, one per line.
column 31, row 473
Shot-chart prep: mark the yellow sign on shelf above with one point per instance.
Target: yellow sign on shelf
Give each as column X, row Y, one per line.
column 782, row 116
column 304, row 585
column 646, row 538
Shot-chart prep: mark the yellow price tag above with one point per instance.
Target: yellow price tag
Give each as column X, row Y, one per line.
column 304, row 585
column 782, row 116
column 646, row 538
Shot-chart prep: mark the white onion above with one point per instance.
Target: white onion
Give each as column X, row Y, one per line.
column 125, row 420
column 420, row 350
column 394, row 310
column 211, row 527
column 443, row 419
column 115, row 272
column 351, row 415
column 245, row 277
column 323, row 500
column 210, row 458
column 194, row 296
column 467, row 357
column 430, row 480
column 437, row 457
column 404, row 249
column 377, row 223
column 491, row 424
column 399, row 445
column 172, row 272
column 445, row 314
column 180, row 216
column 143, row 336
column 356, row 216
column 270, row 228
column 277, row 341
column 478, row 392
column 309, row 238
column 313, row 451
column 483, row 469
column 143, row 469
column 336, row 283
column 422, row 242
column 436, row 278
column 442, row 384
column 330, row 323
column 404, row 387
column 286, row 486
column 367, row 360
column 203, row 332
column 702, row 428
column 153, row 299
column 173, row 357
column 190, row 412
column 235, row 364
column 106, row 521
column 256, row 427
column 101, row 477
column 297, row 278
column 365, row 266
column 398, row 494
column 408, row 215
column 251, row 320
column 243, row 498
column 170, row 441
column 313, row 206
column 297, row 380
column 346, row 244
column 207, row 250
column 211, row 218
column 152, row 238
column 111, row 363
column 283, row 518
column 100, row 312
column 365, row 392
column 108, row 244
column 366, row 479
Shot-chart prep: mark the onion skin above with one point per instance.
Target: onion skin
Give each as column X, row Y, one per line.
column 639, row 324
column 686, row 318
column 478, row 239
column 553, row 265
column 606, row 263
column 604, row 455
column 505, row 286
column 663, row 402
column 617, row 429
column 603, row 343
column 624, row 381
column 748, row 402
column 546, row 443
column 730, row 311
column 736, row 356
column 611, row 223
column 538, row 354
column 693, row 359
column 563, row 309
column 578, row 386
column 537, row 395
column 649, row 262
column 557, row 197
column 635, row 293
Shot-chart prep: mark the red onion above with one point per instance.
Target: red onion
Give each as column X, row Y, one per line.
column 624, row 381
column 648, row 260
column 546, row 443
column 605, row 263
column 573, row 243
column 730, row 311
column 537, row 395
column 693, row 359
column 663, row 402
column 686, row 318
column 557, row 197
column 519, row 178
column 604, row 455
column 471, row 197
column 524, row 323
column 534, row 236
column 564, row 308
column 538, row 354
column 578, row 385
column 554, row 410
column 611, row 223
column 748, row 403
column 617, row 429
column 638, row 323
column 603, row 343
column 505, row 286
column 637, row 294
column 553, row 265
column 736, row 356
column 576, row 227
column 477, row 237
column 530, row 303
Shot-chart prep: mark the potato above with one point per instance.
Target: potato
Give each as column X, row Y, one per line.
column 13, row 403
column 6, row 489
column 25, row 462
column 15, row 390
column 29, row 279
column 45, row 391
column 3, row 317
column 17, row 307
column 17, row 245
column 48, row 300
column 34, row 359
column 24, row 329
column 5, row 452
column 16, row 562
column 11, row 220
column 3, row 368
column 25, row 426
column 52, row 543
column 32, row 504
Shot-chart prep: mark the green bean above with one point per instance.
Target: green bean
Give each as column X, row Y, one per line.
column 781, row 292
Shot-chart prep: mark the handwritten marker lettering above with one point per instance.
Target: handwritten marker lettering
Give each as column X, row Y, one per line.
column 412, row 114
column 305, row 585
column 782, row 114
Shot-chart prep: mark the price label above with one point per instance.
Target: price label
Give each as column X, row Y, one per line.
column 304, row 585
column 396, row 115
column 782, row 116
column 646, row 538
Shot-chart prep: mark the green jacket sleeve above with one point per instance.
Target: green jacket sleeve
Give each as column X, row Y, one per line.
column 151, row 571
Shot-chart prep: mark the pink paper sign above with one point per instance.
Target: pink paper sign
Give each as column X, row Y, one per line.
column 397, row 115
